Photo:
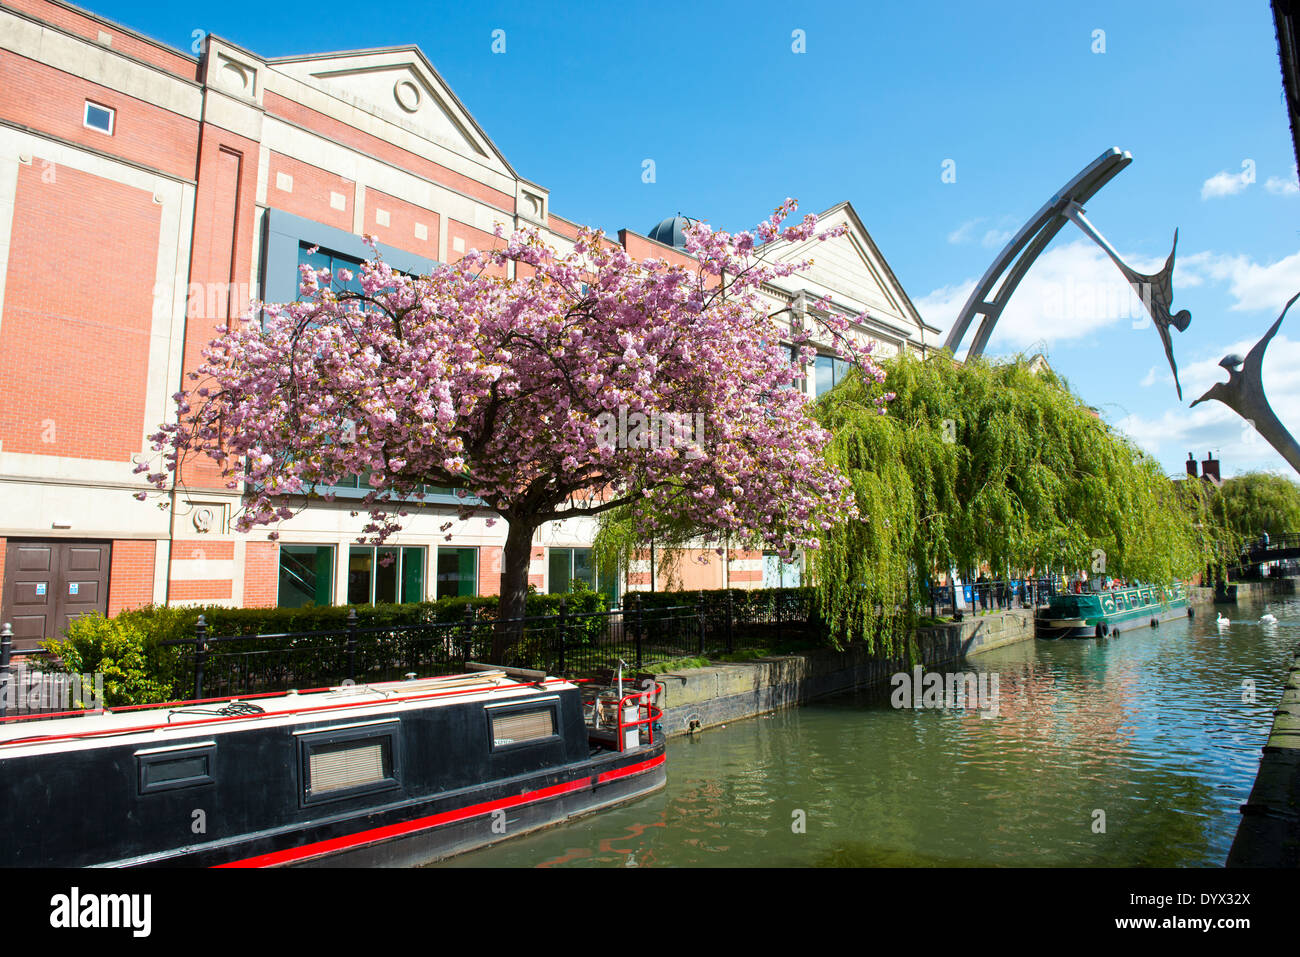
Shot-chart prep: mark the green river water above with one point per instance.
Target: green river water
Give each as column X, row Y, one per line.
column 1154, row 728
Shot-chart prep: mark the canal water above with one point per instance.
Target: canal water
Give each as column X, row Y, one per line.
column 1132, row 751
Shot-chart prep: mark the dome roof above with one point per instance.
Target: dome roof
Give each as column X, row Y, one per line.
column 671, row 232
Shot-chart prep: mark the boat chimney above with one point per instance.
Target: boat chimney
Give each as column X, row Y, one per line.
column 1191, row 465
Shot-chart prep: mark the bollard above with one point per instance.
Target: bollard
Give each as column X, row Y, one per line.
column 6, row 671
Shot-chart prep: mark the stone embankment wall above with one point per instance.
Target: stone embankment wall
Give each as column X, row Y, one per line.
column 697, row 698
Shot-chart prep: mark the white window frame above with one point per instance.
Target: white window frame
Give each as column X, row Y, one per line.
column 112, row 118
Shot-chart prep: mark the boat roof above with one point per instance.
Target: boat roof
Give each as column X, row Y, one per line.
column 162, row 723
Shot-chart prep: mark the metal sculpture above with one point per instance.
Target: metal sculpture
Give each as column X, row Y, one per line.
column 1243, row 393
column 1155, row 291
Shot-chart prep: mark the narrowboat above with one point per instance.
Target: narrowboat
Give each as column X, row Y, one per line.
column 1099, row 614
column 391, row 774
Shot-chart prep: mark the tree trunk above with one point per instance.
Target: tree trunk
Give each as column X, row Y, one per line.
column 515, row 560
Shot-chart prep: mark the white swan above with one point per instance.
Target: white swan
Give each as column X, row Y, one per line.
column 1223, row 622
column 1268, row 619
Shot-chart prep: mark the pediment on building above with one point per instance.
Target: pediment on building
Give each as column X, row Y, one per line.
column 852, row 269
column 399, row 84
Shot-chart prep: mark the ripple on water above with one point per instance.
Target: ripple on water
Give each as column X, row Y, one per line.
column 1149, row 728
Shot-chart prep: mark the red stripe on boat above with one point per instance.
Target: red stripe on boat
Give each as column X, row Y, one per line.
column 435, row 820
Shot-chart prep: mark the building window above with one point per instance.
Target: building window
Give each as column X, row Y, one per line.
column 385, row 575
column 830, row 372
column 779, row 574
column 324, row 259
column 306, row 576
column 99, row 117
column 567, row 565
column 457, row 572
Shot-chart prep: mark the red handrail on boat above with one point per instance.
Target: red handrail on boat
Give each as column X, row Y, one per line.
column 645, row 701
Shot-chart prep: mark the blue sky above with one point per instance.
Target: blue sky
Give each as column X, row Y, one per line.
column 1015, row 94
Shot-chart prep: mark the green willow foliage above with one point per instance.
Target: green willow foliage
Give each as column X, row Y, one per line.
column 974, row 465
column 989, row 464
column 1259, row 502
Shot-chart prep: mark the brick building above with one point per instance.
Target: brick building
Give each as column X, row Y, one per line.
column 146, row 195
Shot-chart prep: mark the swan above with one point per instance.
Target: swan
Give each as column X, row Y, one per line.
column 1223, row 622
column 1268, row 619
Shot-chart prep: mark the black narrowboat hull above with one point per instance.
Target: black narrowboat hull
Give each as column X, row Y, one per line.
column 391, row 775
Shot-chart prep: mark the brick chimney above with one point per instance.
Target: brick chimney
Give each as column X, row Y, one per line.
column 1191, row 465
column 1210, row 469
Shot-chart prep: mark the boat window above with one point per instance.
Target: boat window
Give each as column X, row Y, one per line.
column 166, row 769
column 521, row 727
column 345, row 763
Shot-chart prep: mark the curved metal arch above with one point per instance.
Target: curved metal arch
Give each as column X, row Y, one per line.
column 1032, row 238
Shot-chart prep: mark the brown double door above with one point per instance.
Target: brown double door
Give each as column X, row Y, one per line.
column 48, row 583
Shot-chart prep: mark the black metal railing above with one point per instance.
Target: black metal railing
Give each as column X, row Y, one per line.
column 1004, row 594
column 642, row 633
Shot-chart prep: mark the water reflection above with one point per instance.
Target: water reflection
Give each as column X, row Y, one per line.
column 1151, row 733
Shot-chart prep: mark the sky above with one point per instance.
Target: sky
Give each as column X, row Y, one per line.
column 740, row 105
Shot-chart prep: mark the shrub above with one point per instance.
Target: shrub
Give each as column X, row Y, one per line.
column 119, row 650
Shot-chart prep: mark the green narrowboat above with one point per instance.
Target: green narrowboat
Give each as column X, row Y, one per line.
column 1099, row 614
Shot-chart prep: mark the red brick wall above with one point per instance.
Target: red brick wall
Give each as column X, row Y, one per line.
column 74, row 340
column 185, row 549
column 130, row 576
column 310, row 196
column 489, row 570
column 402, row 217
column 261, row 574
column 202, row 590
column 538, row 581
column 89, row 27
column 220, row 258
column 49, row 100
column 341, row 132
column 473, row 239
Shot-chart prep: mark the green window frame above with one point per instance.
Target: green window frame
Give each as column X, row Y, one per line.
column 387, row 574
column 564, row 565
column 306, row 576
column 457, row 572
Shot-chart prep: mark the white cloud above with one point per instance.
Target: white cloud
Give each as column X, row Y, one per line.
column 1070, row 292
column 1255, row 286
column 996, row 238
column 1156, row 375
column 1212, row 426
column 1282, row 187
column 1228, row 184
column 965, row 232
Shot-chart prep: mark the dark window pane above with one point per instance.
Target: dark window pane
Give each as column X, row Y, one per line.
column 412, row 575
column 584, row 568
column 306, row 575
column 457, row 572
column 386, row 576
column 560, row 569
column 360, row 568
column 825, row 379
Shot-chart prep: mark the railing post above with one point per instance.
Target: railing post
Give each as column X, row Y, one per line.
column 200, row 654
column 6, row 671
column 352, row 645
column 699, row 610
column 730, row 621
column 640, row 623
column 776, row 598
column 560, row 626
column 467, row 637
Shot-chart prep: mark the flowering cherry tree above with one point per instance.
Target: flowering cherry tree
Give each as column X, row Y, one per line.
column 535, row 397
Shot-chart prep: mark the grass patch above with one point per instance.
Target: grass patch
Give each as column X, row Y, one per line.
column 676, row 664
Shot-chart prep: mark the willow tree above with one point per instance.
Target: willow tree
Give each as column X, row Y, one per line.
column 1258, row 502
column 986, row 463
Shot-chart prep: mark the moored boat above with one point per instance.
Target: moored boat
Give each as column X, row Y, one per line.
column 1099, row 614
column 391, row 774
